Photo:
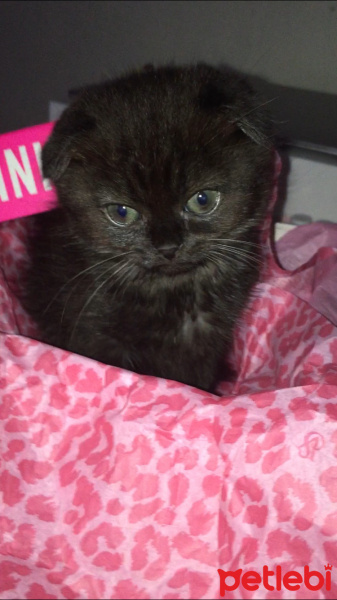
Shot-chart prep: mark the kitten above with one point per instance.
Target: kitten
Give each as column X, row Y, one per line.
column 163, row 178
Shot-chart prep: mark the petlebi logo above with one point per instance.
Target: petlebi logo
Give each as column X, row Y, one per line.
column 275, row 580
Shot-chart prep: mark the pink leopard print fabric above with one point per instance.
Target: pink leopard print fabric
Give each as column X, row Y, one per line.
column 116, row 485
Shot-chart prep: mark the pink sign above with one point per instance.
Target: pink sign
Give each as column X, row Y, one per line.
column 23, row 191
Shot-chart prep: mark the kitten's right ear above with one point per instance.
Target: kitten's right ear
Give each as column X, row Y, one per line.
column 58, row 151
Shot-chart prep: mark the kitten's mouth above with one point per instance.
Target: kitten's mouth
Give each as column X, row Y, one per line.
column 171, row 268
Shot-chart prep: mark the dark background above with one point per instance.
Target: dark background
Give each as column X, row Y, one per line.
column 288, row 48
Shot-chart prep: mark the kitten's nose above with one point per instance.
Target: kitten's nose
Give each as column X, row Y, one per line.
column 168, row 250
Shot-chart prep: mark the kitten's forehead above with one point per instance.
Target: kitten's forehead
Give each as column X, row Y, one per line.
column 163, row 98
column 160, row 120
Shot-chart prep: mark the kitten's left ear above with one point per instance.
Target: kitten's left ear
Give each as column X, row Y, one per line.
column 59, row 149
column 243, row 108
column 255, row 124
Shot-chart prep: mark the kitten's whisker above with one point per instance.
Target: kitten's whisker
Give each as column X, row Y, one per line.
column 91, row 297
column 247, row 258
column 237, row 241
column 214, row 259
column 252, row 255
column 243, row 257
column 74, row 286
column 120, row 280
column 236, row 249
column 79, row 275
column 230, row 257
column 133, row 270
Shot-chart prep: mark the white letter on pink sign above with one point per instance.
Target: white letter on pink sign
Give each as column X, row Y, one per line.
column 37, row 150
column 3, row 191
column 16, row 170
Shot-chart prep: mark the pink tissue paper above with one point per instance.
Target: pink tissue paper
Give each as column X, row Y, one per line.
column 116, row 485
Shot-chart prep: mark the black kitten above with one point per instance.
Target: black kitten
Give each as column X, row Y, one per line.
column 163, row 179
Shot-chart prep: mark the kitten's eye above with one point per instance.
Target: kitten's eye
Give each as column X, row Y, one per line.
column 203, row 202
column 122, row 215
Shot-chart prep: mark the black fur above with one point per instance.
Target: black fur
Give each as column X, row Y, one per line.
column 150, row 141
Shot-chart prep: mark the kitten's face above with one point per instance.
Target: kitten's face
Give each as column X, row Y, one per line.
column 160, row 167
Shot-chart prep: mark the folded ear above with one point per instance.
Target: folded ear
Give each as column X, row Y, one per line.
column 58, row 150
column 242, row 106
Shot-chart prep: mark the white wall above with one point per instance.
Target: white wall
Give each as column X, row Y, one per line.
column 49, row 47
